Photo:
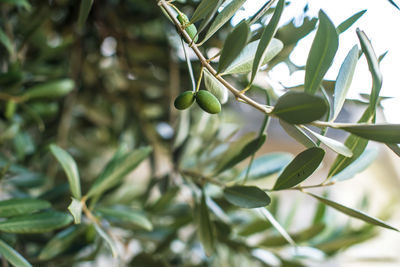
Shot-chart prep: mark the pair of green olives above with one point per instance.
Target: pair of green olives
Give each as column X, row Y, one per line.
column 207, row 101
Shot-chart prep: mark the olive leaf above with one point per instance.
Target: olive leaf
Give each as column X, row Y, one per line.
column 84, row 10
column 297, row 134
column 343, row 80
column 203, row 9
column 322, row 52
column 125, row 214
column 19, row 206
column 70, row 169
column 349, row 22
column 266, row 37
column 353, row 213
column 205, row 228
column 248, row 197
column 333, row 144
column 300, row 168
column 299, row 107
column 223, row 17
column 50, row 90
column 385, row 133
column 234, row 44
column 215, row 87
column 12, row 256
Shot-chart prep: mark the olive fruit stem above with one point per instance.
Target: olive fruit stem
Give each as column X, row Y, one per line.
column 200, row 78
column 189, row 64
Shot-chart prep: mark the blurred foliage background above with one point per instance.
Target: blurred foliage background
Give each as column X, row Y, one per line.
column 106, row 86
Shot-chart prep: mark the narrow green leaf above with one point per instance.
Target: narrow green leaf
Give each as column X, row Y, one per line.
column 266, row 37
column 343, row 80
column 126, row 215
column 20, row 3
column 215, row 87
column 203, row 9
column 18, row 206
column 299, row 107
column 239, row 150
column 12, row 256
column 62, row 241
column 110, row 242
column 50, row 90
column 385, row 133
column 373, row 65
column 353, row 213
column 27, row 180
column 234, row 44
column 350, row 21
column 301, row 236
column 357, row 166
column 205, row 227
column 266, row 165
column 333, row 144
column 117, row 170
column 247, row 197
column 84, row 10
column 394, row 4
column 223, row 17
column 207, row 19
column 301, row 167
column 6, row 42
column 356, row 144
column 70, row 169
column 75, row 208
column 395, row 148
column 36, row 223
column 244, row 62
column 297, row 134
column 270, row 218
column 322, row 52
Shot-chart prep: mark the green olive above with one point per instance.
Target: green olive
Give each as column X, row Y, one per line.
column 184, row 100
column 191, row 29
column 208, row 102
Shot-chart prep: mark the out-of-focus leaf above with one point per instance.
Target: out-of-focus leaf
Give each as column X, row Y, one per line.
column 244, row 62
column 225, row 15
column 254, row 227
column 301, row 236
column 300, row 168
column 385, row 133
column 354, row 213
column 266, row 37
column 21, row 3
column 12, row 256
column 269, row 217
column 234, row 44
column 110, row 242
column 357, row 166
column 50, row 90
column 333, row 144
column 322, row 52
column 266, row 165
column 126, row 215
column 349, row 22
column 27, row 180
column 61, row 242
column 298, row 134
column 70, row 169
column 248, row 197
column 117, row 170
column 18, row 206
column 203, row 9
column 215, row 87
column 373, row 65
column 36, row 223
column 205, row 227
column 84, row 10
column 6, row 42
column 299, row 108
column 75, row 208
column 343, row 80
column 239, row 151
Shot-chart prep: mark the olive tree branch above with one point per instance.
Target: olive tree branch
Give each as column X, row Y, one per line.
column 265, row 109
